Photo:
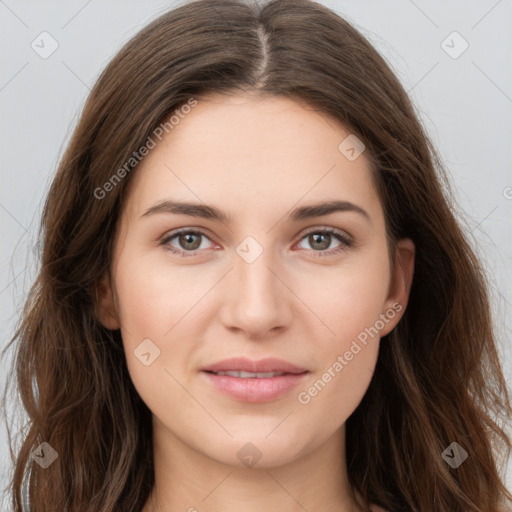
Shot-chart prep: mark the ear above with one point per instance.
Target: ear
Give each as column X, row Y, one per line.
column 105, row 304
column 400, row 285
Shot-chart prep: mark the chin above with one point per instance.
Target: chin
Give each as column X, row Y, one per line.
column 257, row 451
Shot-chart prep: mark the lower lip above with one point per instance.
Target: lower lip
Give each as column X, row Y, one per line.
column 255, row 390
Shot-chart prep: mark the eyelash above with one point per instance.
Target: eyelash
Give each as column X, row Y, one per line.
column 346, row 242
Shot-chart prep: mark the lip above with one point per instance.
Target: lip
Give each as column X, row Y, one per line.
column 269, row 364
column 254, row 390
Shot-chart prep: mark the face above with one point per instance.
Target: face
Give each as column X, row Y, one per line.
column 253, row 280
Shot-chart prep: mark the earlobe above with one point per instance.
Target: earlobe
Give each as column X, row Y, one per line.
column 105, row 304
column 401, row 282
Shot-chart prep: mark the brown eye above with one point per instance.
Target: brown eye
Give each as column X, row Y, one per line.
column 320, row 241
column 190, row 241
column 185, row 241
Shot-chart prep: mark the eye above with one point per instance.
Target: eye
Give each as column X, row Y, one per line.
column 320, row 240
column 188, row 241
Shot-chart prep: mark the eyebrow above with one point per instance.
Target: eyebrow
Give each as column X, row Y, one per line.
column 212, row 213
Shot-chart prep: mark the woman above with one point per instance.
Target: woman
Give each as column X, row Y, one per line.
column 253, row 293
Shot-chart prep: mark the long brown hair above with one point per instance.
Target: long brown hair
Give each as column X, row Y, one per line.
column 438, row 378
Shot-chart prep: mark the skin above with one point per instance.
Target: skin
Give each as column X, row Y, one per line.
column 256, row 159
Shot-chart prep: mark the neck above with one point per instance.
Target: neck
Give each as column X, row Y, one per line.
column 186, row 480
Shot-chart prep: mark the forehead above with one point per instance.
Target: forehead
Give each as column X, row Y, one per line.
column 251, row 154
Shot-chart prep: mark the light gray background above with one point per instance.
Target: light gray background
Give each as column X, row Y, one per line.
column 465, row 104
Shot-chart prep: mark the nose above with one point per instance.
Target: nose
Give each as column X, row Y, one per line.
column 257, row 301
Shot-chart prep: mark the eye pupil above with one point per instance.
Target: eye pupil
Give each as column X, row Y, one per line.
column 187, row 241
column 317, row 238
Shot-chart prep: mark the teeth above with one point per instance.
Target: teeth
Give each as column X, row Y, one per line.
column 251, row 375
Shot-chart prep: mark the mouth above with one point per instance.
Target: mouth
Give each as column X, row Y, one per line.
column 250, row 375
column 254, row 381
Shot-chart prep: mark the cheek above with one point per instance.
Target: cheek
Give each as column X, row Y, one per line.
column 350, row 299
column 350, row 303
column 334, row 393
column 156, row 309
column 344, row 360
column 151, row 299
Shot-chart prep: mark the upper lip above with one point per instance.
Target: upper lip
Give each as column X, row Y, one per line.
column 269, row 364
